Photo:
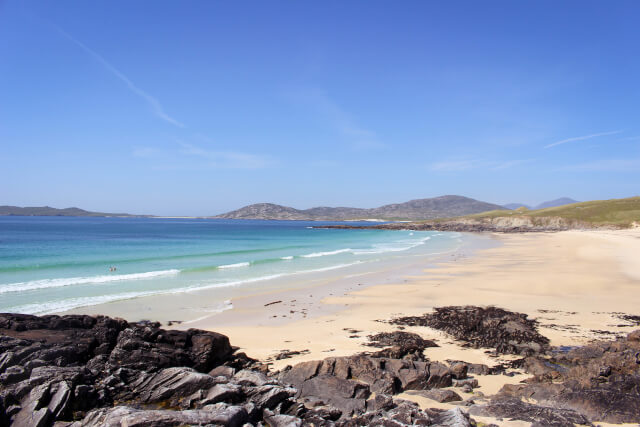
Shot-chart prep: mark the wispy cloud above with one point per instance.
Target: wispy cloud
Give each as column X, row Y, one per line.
column 606, row 165
column 464, row 165
column 358, row 136
column 582, row 138
column 153, row 103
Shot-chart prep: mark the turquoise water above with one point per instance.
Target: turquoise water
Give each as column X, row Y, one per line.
column 52, row 264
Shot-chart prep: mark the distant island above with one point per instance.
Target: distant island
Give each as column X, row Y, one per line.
column 49, row 211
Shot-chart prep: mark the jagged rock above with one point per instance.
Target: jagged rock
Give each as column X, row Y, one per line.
column 251, row 378
column 171, row 384
column 506, row 331
column 54, row 366
column 383, row 375
column 438, row 395
column 123, row 416
column 281, row 420
column 600, row 381
column 380, row 402
column 346, row 395
column 269, row 396
column 228, row 393
column 153, row 349
column 516, row 409
column 452, row 418
column 223, row 371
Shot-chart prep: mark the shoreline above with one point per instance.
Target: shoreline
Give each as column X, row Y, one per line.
column 576, row 284
column 214, row 304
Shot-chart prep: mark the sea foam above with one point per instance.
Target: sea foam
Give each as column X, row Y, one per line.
column 319, row 254
column 70, row 281
column 236, row 265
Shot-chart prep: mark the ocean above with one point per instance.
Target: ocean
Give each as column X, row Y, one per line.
column 55, row 264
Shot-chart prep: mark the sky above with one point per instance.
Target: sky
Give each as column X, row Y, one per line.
column 200, row 107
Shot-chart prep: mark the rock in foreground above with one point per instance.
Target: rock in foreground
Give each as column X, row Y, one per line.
column 599, row 382
column 98, row 371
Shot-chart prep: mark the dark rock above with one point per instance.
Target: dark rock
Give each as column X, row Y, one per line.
column 438, row 395
column 70, row 371
column 346, row 395
column 250, row 378
column 507, row 332
column 380, row 402
column 452, row 418
column 270, row 396
column 220, row 414
column 600, row 381
column 516, row 409
column 223, row 371
column 459, row 370
column 273, row 420
column 228, row 393
column 170, row 385
column 402, row 344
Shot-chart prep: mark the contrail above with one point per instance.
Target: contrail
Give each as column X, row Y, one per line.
column 581, row 138
column 155, row 105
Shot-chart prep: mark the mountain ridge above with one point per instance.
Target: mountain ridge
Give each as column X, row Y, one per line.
column 427, row 208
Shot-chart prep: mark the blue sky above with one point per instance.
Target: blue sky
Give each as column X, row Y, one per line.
column 196, row 108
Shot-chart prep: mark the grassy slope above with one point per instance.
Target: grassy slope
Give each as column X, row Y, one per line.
column 620, row 212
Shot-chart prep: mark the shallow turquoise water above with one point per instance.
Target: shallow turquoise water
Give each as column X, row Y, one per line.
column 50, row 264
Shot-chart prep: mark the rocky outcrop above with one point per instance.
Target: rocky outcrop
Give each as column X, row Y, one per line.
column 507, row 332
column 347, row 382
column 97, row 371
column 599, row 382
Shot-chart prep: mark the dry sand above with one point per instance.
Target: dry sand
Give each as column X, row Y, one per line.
column 575, row 283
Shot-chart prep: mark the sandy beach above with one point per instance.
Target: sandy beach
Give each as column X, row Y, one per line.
column 577, row 284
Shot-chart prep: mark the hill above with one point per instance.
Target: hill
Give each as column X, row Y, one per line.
column 437, row 207
column 614, row 212
column 49, row 211
column 607, row 214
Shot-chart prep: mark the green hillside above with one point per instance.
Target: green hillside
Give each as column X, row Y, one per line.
column 620, row 212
